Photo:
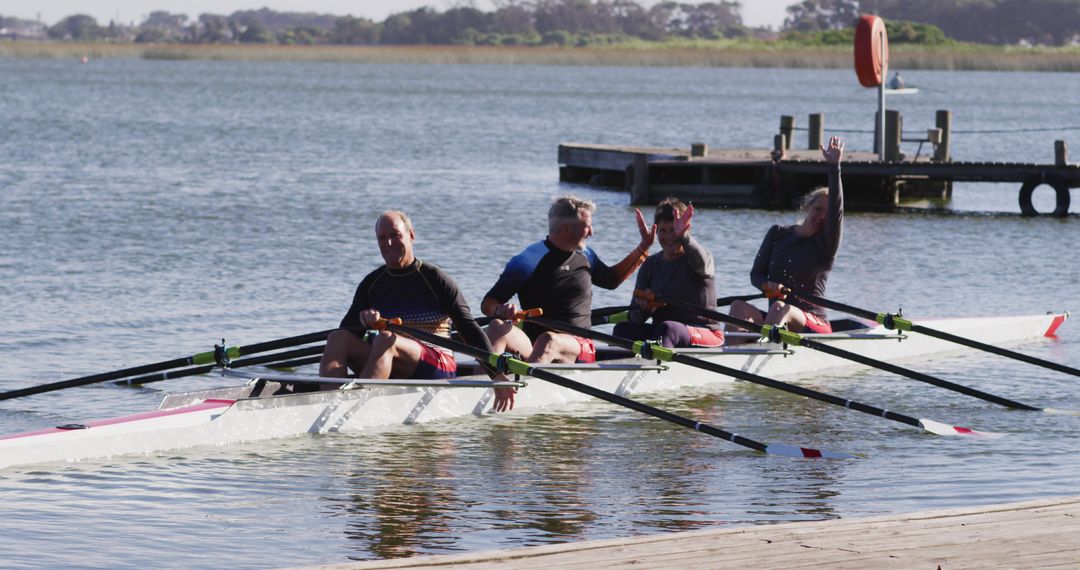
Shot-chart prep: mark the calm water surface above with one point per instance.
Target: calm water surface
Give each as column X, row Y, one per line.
column 148, row 209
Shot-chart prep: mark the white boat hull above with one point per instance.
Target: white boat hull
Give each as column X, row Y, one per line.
column 230, row 415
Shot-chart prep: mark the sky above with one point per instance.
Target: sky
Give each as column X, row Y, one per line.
column 755, row 12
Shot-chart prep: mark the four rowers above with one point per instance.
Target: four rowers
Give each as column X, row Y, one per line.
column 556, row 275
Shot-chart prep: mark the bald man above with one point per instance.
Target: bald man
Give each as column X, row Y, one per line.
column 415, row 291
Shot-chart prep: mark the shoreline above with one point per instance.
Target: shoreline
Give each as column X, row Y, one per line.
column 990, row 58
column 1029, row 534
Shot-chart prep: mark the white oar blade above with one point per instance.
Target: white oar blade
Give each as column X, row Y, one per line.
column 1061, row 412
column 939, row 428
column 793, row 451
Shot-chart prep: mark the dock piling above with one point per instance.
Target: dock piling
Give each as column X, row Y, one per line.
column 943, row 121
column 893, row 132
column 1061, row 153
column 817, row 131
column 639, row 180
column 779, row 145
column 787, row 128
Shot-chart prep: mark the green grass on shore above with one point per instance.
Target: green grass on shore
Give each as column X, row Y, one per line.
column 723, row 53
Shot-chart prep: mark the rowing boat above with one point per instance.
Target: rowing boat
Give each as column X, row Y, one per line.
column 265, row 407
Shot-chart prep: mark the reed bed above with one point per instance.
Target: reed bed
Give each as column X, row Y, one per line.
column 728, row 54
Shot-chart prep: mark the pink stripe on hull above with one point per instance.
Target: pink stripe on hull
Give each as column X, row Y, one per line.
column 204, row 405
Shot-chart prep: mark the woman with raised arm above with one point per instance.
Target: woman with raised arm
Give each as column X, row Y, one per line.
column 799, row 257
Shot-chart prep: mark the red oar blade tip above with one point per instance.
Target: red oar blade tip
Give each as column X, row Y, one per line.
column 939, row 428
column 805, row 452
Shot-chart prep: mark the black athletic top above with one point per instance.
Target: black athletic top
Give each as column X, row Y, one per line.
column 803, row 263
column 559, row 282
column 422, row 296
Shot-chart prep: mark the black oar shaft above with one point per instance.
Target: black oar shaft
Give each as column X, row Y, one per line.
column 970, row 343
column 201, row 358
column 913, row 374
column 645, row 409
column 855, row 357
column 567, row 383
column 95, row 378
column 255, row 360
column 739, row 374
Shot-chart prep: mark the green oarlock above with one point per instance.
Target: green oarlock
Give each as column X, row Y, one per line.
column 658, row 352
column 899, row 323
column 208, row 356
column 513, row 365
column 519, row 367
column 786, row 336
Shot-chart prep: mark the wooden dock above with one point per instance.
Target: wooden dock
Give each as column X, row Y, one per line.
column 750, row 178
column 1034, row 534
column 778, row 177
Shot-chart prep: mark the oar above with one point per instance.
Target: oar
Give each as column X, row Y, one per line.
column 515, row 366
column 896, row 322
column 200, row 358
column 785, row 336
column 600, row 315
column 283, row 359
column 656, row 352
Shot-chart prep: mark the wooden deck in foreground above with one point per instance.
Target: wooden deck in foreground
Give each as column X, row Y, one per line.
column 1035, row 534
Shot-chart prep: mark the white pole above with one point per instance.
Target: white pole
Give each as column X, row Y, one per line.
column 881, row 100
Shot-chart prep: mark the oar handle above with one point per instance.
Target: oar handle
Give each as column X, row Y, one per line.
column 721, row 302
column 527, row 313
column 382, row 324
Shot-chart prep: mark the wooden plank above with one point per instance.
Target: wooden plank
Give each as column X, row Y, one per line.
column 1034, row 534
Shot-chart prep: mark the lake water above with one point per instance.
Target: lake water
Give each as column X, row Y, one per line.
column 148, row 209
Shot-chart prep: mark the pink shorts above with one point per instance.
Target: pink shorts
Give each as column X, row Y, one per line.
column 587, row 354
column 817, row 324
column 701, row 336
column 434, row 364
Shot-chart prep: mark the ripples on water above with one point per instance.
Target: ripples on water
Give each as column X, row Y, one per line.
column 151, row 208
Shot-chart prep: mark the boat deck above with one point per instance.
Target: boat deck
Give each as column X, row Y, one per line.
column 1034, row 534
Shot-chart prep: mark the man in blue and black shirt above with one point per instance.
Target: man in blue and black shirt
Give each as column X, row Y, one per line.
column 557, row 275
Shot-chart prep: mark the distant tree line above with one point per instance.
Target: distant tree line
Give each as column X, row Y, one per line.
column 1003, row 22
column 513, row 22
column 599, row 22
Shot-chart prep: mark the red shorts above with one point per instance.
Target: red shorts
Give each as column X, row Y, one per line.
column 817, row 324
column 434, row 364
column 587, row 354
column 701, row 336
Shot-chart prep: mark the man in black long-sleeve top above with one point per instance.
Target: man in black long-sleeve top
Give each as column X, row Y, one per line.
column 418, row 293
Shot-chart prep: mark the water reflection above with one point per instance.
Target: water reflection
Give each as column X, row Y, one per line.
column 400, row 495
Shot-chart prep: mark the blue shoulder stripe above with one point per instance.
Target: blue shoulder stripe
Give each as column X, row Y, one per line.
column 591, row 256
column 521, row 266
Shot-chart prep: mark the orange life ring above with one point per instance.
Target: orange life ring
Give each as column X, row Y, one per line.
column 871, row 51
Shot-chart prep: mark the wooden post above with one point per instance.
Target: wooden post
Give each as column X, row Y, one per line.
column 779, row 142
column 942, row 152
column 787, row 126
column 817, row 131
column 698, row 149
column 877, row 134
column 639, row 190
column 893, row 131
column 1061, row 153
